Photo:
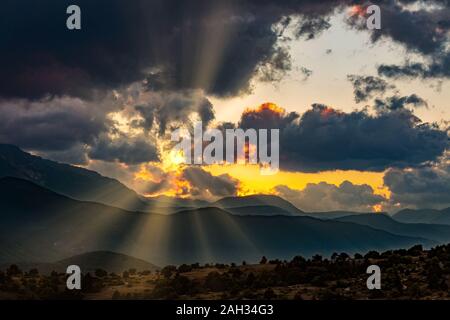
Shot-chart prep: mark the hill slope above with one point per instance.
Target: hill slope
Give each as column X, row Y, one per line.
column 38, row 225
column 440, row 233
column 90, row 262
column 423, row 216
column 258, row 211
column 257, row 200
column 65, row 179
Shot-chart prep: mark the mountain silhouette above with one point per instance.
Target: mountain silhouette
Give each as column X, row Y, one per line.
column 40, row 225
column 436, row 232
column 257, row 200
column 262, row 210
column 68, row 180
column 423, row 216
column 90, row 262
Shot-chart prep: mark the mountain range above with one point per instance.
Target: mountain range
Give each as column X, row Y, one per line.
column 436, row 232
column 424, row 216
column 41, row 225
column 49, row 211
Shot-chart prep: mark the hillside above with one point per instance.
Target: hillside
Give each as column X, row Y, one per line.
column 423, row 216
column 90, row 262
column 257, row 200
column 258, row 211
column 440, row 233
column 39, row 224
column 75, row 182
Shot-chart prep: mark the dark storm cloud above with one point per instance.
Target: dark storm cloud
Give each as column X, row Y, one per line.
column 77, row 154
column 365, row 87
column 267, row 116
column 310, row 28
column 328, row 197
column 167, row 41
column 424, row 187
column 217, row 46
column 397, row 102
column 327, row 139
column 275, row 69
column 165, row 108
column 423, row 31
column 124, row 149
column 50, row 125
column 205, row 184
column 438, row 68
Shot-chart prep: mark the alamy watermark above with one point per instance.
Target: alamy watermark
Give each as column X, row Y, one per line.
column 214, row 146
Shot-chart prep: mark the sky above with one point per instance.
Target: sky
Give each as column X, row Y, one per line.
column 363, row 114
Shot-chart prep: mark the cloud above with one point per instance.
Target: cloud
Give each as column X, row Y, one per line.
column 423, row 30
column 365, row 87
column 439, row 68
column 165, row 108
column 328, row 197
column 124, row 149
column 312, row 27
column 58, row 124
column 424, row 187
column 327, row 139
column 217, row 46
column 77, row 155
column 266, row 116
column 203, row 184
column 397, row 102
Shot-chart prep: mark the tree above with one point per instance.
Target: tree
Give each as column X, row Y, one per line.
column 33, row 272
column 372, row 255
column 182, row 284
column 435, row 276
column 13, row 271
column 168, row 271
column 358, row 256
column 184, row 268
column 263, row 260
column 101, row 273
column 416, row 250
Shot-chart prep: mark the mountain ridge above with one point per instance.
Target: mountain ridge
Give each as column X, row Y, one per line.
column 54, row 229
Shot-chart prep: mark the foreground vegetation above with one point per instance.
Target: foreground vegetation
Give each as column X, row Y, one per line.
column 406, row 274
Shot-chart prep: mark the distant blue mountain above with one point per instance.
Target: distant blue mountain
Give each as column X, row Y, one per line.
column 424, row 216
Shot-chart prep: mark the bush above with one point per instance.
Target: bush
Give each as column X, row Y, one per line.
column 184, row 268
column 101, row 273
column 168, row 271
column 13, row 271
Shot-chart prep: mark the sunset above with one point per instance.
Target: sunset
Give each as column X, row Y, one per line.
column 217, row 151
